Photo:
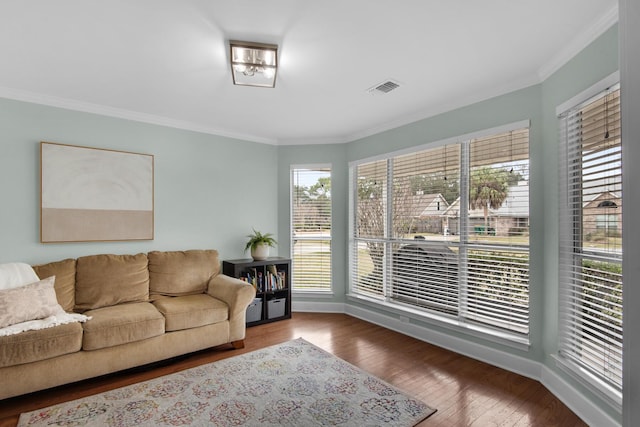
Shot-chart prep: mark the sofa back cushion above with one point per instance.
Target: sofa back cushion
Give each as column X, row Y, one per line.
column 182, row 272
column 106, row 280
column 65, row 285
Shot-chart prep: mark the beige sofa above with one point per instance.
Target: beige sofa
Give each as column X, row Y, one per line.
column 143, row 308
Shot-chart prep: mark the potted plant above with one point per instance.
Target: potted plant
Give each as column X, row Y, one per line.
column 259, row 244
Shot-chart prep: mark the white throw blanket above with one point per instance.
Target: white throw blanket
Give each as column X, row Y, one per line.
column 16, row 274
column 48, row 322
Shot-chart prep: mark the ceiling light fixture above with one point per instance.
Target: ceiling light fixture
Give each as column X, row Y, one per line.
column 253, row 64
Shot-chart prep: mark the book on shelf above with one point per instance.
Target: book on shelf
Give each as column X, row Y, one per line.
column 260, row 281
column 251, row 276
column 268, row 279
column 276, row 278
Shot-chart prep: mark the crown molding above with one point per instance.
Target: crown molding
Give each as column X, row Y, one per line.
column 572, row 48
column 481, row 95
column 579, row 43
column 87, row 107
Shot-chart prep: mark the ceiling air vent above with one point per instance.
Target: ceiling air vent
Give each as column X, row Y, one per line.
column 384, row 87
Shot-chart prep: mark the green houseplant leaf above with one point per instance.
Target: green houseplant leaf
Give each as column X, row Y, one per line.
column 257, row 238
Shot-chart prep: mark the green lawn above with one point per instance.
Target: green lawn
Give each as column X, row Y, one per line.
column 311, row 269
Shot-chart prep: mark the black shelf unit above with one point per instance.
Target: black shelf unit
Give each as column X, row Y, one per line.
column 273, row 296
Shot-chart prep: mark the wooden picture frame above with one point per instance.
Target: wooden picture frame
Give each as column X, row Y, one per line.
column 93, row 194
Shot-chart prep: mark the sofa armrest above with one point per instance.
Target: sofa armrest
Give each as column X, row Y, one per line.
column 234, row 292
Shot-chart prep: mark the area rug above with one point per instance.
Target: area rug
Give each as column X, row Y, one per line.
column 290, row 384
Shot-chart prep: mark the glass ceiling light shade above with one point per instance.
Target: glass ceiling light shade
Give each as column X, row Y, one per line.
column 253, row 64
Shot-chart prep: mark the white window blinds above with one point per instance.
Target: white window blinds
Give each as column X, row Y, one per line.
column 590, row 335
column 311, row 228
column 496, row 276
column 445, row 230
column 368, row 250
column 424, row 272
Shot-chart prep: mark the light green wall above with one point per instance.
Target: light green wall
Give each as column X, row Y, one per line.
column 209, row 190
column 630, row 76
column 513, row 107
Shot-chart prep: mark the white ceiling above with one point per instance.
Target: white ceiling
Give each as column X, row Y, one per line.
column 166, row 61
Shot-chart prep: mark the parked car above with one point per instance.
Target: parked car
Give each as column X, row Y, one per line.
column 426, row 274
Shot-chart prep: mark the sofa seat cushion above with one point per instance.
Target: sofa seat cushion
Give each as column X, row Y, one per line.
column 121, row 324
column 191, row 311
column 31, row 346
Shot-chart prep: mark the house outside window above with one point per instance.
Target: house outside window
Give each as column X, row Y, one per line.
column 311, row 228
column 443, row 231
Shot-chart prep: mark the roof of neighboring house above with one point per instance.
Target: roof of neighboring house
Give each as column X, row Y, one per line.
column 432, row 204
column 428, row 204
column 605, row 195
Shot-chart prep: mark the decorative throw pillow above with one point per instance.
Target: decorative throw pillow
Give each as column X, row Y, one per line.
column 29, row 302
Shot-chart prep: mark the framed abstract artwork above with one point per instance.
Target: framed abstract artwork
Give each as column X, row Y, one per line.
column 91, row 194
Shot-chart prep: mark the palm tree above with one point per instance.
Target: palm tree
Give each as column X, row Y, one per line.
column 489, row 188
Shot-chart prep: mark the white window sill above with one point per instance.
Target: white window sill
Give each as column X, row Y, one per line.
column 313, row 293
column 407, row 313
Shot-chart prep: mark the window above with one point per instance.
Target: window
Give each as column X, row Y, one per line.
column 608, row 224
column 311, row 228
column 590, row 332
column 444, row 231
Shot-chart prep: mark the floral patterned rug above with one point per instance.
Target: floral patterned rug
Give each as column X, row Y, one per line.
column 290, row 384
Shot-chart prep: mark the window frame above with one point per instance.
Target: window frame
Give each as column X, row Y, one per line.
column 571, row 229
column 316, row 291
column 490, row 333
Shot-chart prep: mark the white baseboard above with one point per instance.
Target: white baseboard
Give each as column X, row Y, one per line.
column 576, row 401
column 317, row 307
column 587, row 410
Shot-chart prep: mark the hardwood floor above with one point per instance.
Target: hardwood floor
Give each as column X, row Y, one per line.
column 465, row 392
